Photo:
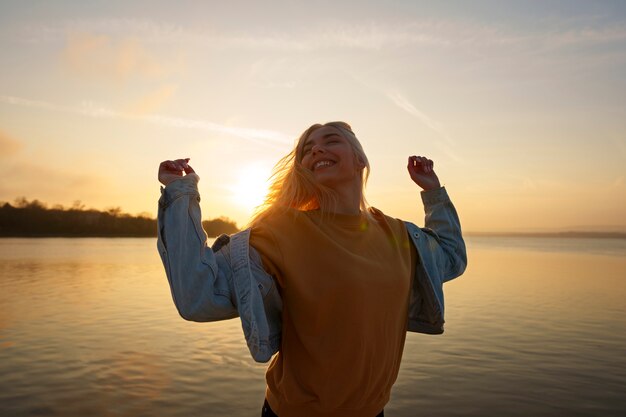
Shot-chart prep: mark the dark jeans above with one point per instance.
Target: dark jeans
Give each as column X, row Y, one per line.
column 267, row 411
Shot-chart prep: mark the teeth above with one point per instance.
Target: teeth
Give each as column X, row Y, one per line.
column 323, row 164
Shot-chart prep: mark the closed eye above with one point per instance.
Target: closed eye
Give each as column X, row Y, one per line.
column 332, row 138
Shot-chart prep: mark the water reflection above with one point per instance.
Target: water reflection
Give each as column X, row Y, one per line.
column 87, row 327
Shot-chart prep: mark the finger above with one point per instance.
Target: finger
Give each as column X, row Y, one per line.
column 178, row 164
column 167, row 166
column 173, row 166
column 425, row 163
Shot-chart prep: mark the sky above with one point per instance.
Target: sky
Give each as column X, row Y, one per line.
column 521, row 105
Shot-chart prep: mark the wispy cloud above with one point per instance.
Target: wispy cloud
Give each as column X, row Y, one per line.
column 321, row 36
column 153, row 101
column 447, row 143
column 264, row 137
column 400, row 101
column 100, row 56
column 587, row 36
column 348, row 35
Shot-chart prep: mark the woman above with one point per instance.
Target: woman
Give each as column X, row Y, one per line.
column 326, row 282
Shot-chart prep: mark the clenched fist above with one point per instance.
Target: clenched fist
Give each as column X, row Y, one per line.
column 421, row 172
column 173, row 170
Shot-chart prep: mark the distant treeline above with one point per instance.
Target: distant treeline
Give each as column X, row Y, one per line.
column 34, row 219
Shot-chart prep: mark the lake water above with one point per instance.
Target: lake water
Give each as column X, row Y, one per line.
column 536, row 326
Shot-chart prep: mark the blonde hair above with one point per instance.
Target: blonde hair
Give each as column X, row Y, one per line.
column 293, row 186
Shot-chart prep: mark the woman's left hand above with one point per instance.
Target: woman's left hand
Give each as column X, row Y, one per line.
column 422, row 173
column 173, row 170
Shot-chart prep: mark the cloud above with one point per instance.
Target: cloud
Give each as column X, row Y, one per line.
column 269, row 138
column 447, row 144
column 432, row 124
column 153, row 101
column 264, row 137
column 342, row 34
column 8, row 145
column 101, row 57
column 586, row 36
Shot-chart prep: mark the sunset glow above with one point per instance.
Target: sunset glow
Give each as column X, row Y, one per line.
column 520, row 105
column 251, row 189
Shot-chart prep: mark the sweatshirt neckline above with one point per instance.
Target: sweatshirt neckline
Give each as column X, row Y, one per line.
column 348, row 220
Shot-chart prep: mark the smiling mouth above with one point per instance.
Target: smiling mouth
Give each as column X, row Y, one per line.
column 323, row 164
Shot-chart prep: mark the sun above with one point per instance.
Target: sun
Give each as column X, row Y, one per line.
column 252, row 186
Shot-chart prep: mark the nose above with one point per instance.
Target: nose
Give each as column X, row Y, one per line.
column 317, row 148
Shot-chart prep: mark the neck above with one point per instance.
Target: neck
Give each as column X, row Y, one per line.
column 348, row 200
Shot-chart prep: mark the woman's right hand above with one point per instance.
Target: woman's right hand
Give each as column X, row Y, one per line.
column 173, row 170
column 422, row 173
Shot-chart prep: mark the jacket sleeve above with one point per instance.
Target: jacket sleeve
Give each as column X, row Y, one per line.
column 200, row 280
column 443, row 228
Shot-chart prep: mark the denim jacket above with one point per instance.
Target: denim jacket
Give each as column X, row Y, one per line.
column 228, row 280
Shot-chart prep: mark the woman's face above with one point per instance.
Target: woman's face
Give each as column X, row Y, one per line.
column 330, row 157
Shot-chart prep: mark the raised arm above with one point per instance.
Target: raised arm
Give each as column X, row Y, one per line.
column 442, row 225
column 200, row 280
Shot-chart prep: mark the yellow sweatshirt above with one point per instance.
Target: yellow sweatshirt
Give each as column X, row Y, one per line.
column 345, row 282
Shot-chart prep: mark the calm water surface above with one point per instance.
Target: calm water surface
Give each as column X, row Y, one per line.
column 87, row 328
